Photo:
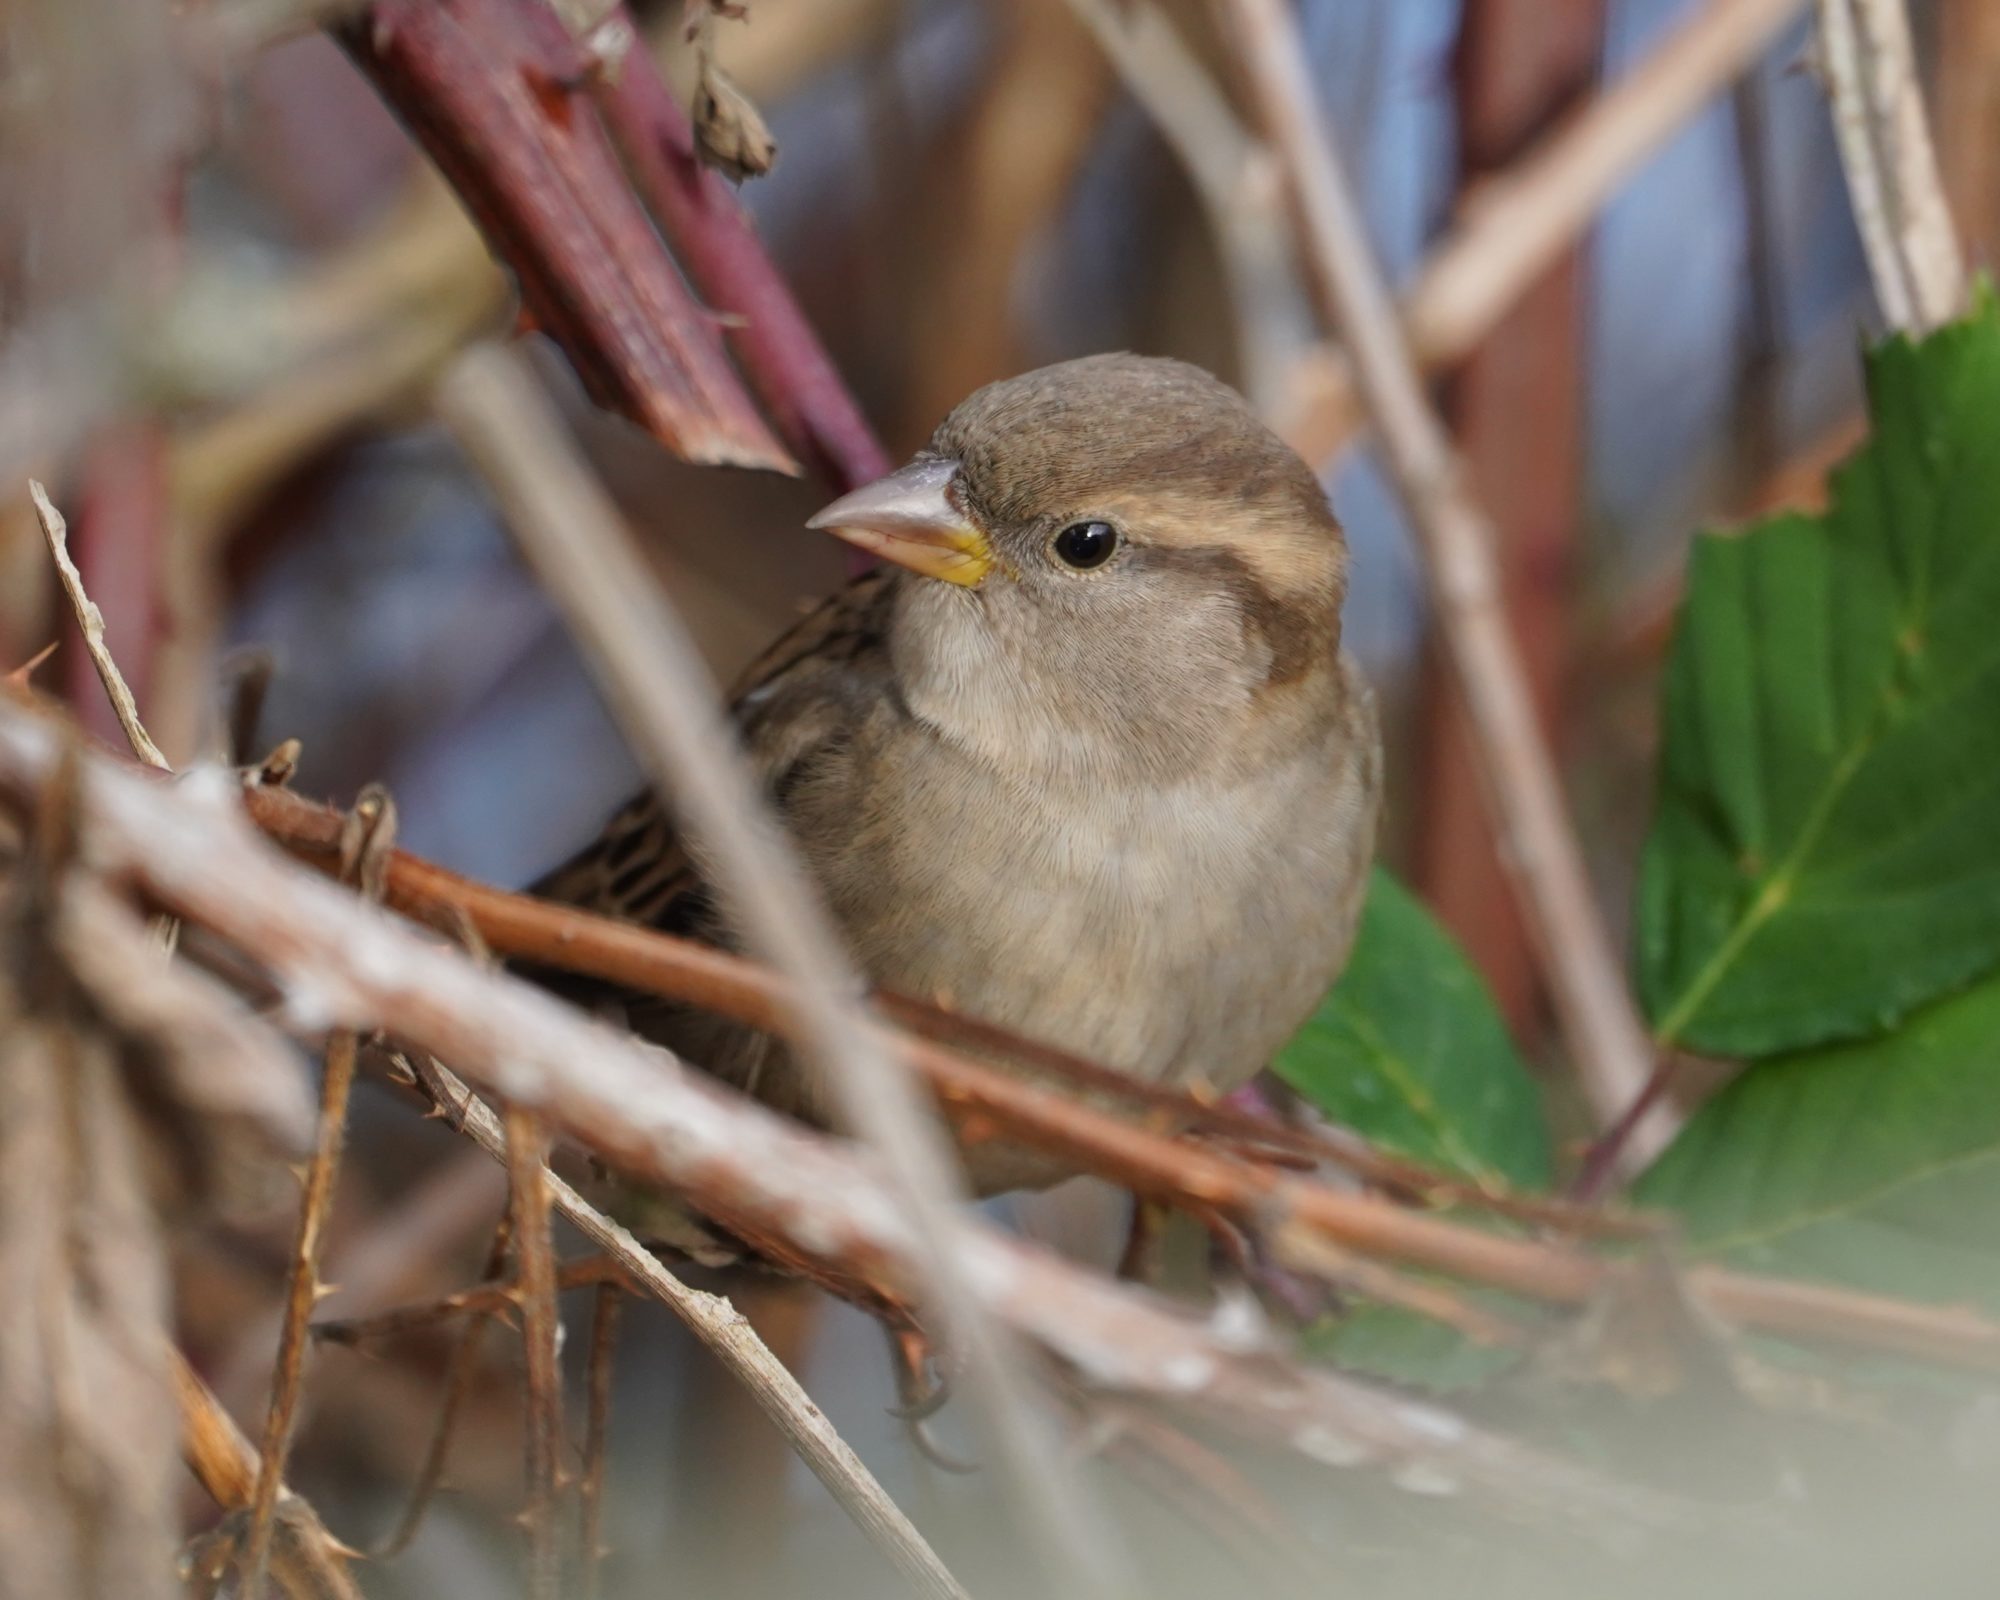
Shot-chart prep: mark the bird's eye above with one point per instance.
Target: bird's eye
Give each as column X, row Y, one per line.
column 1084, row 545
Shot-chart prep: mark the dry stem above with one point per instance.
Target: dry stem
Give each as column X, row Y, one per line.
column 302, row 1290
column 606, row 1306
column 91, row 621
column 1233, row 176
column 535, row 1292
column 661, row 697
column 367, row 835
column 1892, row 173
column 1611, row 1053
column 311, row 1563
column 723, row 1329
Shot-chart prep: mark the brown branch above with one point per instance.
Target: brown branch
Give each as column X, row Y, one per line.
column 341, row 962
column 712, row 237
column 606, row 1306
column 309, row 1561
column 492, row 90
column 1137, row 1155
column 535, row 1293
column 1892, row 173
column 302, row 1289
column 1611, row 1053
column 573, row 537
column 548, row 935
column 367, row 834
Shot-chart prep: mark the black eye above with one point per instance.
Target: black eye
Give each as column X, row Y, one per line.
column 1084, row 545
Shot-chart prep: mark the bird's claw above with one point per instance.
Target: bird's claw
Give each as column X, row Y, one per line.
column 922, row 1391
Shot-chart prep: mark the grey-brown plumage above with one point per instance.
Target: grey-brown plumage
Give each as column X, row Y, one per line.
column 1112, row 789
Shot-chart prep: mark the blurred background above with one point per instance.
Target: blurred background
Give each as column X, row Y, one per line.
column 231, row 280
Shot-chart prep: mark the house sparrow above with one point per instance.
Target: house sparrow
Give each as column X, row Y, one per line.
column 1084, row 758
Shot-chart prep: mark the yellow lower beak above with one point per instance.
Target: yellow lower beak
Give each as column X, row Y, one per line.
column 908, row 518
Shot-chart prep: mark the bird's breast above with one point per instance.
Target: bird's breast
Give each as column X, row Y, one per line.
column 1178, row 933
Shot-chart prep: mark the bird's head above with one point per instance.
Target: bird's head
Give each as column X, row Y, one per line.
column 1118, row 546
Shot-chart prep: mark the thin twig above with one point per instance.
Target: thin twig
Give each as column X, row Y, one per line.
column 729, row 1336
column 302, row 1289
column 91, row 621
column 390, row 1259
column 1233, row 176
column 1892, row 173
column 367, row 839
column 535, row 1292
column 1611, row 1053
column 313, row 1564
column 573, row 537
column 482, row 1300
column 608, row 1303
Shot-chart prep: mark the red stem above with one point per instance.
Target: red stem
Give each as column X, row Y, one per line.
column 714, row 240
column 492, row 91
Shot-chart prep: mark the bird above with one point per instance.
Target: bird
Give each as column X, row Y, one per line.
column 1082, row 756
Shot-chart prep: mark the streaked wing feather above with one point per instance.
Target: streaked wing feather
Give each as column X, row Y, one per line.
column 791, row 702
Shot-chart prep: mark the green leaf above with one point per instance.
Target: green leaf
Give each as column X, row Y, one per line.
column 1826, row 852
column 1407, row 1049
column 1875, row 1163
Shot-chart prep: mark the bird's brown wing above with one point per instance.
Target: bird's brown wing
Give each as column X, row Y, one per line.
column 792, row 703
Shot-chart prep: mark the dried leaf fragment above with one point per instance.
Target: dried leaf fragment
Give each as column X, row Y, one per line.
column 729, row 130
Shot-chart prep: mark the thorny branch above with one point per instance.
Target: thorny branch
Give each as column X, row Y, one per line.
column 535, row 1292
column 339, row 960
column 309, row 1561
column 1137, row 1150
column 368, row 835
column 725, row 1332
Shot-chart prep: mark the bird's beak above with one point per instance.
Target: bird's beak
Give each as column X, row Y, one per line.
column 908, row 518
